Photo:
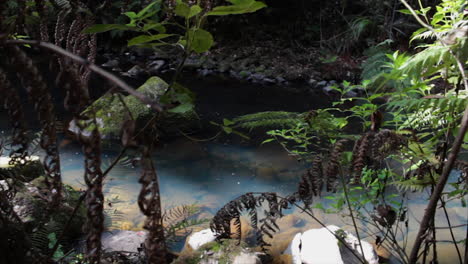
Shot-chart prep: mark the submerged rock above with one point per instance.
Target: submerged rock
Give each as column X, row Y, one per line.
column 321, row 246
column 123, row 240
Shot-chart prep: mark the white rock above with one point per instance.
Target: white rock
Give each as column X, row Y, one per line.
column 247, row 258
column 294, row 249
column 123, row 240
column 321, row 246
column 198, row 239
column 369, row 253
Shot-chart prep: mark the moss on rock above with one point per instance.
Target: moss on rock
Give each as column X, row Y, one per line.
column 111, row 113
column 222, row 252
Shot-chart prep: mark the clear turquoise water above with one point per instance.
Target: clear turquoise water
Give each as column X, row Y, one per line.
column 211, row 174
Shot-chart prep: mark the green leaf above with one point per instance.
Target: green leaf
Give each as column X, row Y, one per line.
column 267, row 140
column 241, row 2
column 131, row 15
column 405, row 11
column 228, row 130
column 228, row 122
column 145, row 10
column 182, row 10
column 156, row 26
column 99, row 28
column 146, row 38
column 194, row 10
column 200, row 40
column 183, row 108
column 236, row 9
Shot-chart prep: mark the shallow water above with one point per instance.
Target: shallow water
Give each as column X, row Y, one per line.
column 210, row 174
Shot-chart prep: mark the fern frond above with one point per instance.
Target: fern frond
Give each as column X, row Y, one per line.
column 413, row 184
column 373, row 66
column 40, row 238
column 428, row 61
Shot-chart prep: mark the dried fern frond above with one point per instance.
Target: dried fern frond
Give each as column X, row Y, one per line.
column 386, row 142
column 311, row 182
column 231, row 212
column 361, row 155
column 333, row 167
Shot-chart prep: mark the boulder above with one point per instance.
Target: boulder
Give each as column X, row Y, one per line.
column 321, row 246
column 154, row 67
column 111, row 113
column 198, row 239
column 123, row 240
column 226, row 251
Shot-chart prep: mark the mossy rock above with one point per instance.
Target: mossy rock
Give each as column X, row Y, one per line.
column 221, row 252
column 111, row 112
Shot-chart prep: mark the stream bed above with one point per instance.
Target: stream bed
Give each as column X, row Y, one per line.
column 210, row 174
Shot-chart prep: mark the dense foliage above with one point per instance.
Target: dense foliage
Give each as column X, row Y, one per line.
column 411, row 102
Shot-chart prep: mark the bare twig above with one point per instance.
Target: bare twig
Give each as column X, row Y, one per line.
column 431, row 207
column 93, row 67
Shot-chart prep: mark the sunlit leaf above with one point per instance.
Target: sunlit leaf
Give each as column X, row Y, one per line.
column 236, row 9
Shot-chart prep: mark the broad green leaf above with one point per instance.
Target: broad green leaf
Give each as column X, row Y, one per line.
column 156, row 26
column 146, row 38
column 194, row 10
column 183, row 108
column 236, row 9
column 200, row 40
column 131, row 15
column 145, row 10
column 182, row 10
column 99, row 28
column 241, row 2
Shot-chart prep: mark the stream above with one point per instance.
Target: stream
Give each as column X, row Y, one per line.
column 209, row 174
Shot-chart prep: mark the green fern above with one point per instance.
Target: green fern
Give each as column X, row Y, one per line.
column 179, row 220
column 374, row 65
column 413, row 184
column 40, row 238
